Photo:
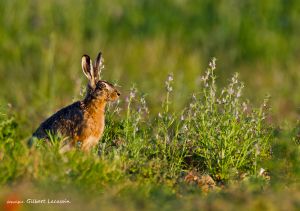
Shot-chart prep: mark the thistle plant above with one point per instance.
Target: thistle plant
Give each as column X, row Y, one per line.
column 165, row 120
column 226, row 134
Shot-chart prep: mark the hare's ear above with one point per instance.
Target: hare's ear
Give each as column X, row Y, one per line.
column 98, row 66
column 88, row 69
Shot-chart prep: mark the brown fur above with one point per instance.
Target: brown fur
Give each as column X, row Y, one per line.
column 83, row 121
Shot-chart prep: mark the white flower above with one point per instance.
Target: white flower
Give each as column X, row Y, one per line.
column 170, row 77
column 230, row 91
column 212, row 64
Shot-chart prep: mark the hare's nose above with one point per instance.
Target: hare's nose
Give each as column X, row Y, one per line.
column 118, row 93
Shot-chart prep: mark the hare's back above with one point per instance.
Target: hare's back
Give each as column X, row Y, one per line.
column 67, row 122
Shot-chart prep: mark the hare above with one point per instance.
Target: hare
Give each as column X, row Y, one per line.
column 82, row 122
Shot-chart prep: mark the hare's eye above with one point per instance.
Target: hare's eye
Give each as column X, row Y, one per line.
column 101, row 86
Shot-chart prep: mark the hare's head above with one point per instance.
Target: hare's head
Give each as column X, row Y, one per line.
column 97, row 88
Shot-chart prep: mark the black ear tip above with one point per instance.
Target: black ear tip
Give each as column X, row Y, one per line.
column 85, row 56
column 99, row 55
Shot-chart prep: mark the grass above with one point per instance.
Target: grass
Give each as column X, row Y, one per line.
column 163, row 157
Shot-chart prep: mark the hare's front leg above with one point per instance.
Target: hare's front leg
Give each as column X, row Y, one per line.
column 89, row 142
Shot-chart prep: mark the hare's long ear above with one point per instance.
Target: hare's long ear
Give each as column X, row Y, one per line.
column 98, row 66
column 88, row 69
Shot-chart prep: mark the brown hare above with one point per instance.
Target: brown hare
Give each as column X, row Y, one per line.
column 82, row 123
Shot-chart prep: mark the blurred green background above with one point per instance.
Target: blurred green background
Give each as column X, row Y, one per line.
column 41, row 44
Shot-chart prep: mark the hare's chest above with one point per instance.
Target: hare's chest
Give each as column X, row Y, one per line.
column 96, row 126
column 93, row 124
column 92, row 132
